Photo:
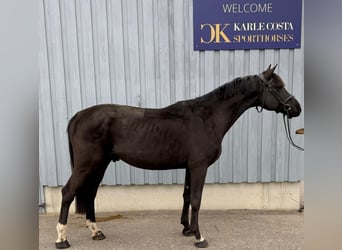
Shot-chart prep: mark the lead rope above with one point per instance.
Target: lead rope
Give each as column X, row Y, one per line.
column 288, row 132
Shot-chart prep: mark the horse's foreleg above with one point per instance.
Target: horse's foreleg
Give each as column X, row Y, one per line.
column 186, row 205
column 197, row 182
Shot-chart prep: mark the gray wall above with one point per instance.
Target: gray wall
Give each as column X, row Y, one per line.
column 139, row 52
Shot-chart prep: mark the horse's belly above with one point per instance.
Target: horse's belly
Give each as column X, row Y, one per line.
column 152, row 162
column 152, row 156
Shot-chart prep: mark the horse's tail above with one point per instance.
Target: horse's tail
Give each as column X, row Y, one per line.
column 69, row 130
column 81, row 202
column 80, row 199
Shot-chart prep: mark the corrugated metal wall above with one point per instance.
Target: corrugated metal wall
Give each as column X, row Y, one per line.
column 140, row 52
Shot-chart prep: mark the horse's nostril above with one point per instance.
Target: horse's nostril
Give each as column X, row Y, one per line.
column 295, row 112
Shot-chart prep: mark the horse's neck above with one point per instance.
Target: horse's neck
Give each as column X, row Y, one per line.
column 226, row 113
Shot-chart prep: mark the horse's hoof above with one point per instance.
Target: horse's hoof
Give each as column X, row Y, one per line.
column 98, row 236
column 201, row 244
column 187, row 232
column 62, row 245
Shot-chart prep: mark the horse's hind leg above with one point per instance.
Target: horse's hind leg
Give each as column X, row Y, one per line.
column 68, row 194
column 90, row 209
column 83, row 183
column 186, row 205
column 96, row 233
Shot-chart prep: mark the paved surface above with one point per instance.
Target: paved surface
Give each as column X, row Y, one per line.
column 232, row 229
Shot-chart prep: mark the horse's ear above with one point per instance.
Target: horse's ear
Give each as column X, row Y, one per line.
column 268, row 72
column 272, row 70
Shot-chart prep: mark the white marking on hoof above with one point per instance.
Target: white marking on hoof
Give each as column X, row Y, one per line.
column 93, row 228
column 61, row 231
column 200, row 240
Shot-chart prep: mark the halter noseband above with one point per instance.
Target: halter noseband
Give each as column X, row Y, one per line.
column 286, row 107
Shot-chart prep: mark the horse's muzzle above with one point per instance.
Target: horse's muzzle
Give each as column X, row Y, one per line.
column 293, row 110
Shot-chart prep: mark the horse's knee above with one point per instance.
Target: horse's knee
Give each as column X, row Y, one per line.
column 195, row 205
column 186, row 198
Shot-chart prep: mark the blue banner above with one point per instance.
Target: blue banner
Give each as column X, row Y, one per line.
column 241, row 24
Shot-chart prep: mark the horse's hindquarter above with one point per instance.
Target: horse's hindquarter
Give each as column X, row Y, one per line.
column 150, row 141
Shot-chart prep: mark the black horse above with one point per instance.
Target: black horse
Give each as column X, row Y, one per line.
column 185, row 135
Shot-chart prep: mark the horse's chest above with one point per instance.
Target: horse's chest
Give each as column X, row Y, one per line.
column 214, row 154
column 204, row 146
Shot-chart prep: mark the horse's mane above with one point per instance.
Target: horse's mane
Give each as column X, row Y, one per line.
column 202, row 103
column 223, row 92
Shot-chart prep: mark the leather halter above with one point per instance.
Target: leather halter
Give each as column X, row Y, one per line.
column 286, row 107
column 268, row 85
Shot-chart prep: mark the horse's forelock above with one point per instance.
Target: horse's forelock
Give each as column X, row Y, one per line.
column 278, row 81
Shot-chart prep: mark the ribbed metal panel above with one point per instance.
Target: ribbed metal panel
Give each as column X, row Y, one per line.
column 141, row 53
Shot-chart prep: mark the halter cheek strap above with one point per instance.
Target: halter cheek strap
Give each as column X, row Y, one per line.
column 264, row 81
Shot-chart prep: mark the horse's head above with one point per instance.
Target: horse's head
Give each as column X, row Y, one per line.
column 275, row 97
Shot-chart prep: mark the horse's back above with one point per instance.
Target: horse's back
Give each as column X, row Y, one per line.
column 111, row 110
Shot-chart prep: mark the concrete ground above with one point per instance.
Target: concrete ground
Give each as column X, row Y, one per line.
column 231, row 229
